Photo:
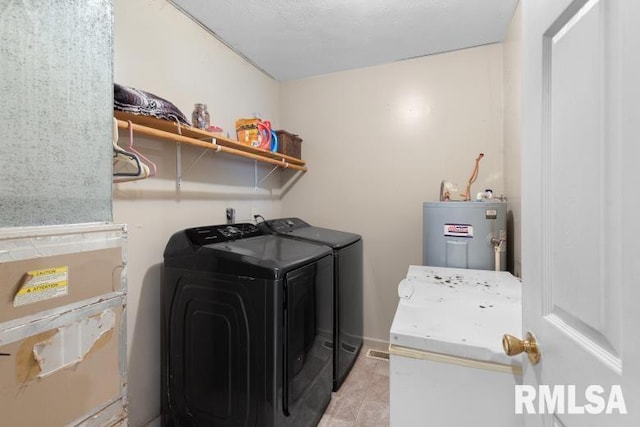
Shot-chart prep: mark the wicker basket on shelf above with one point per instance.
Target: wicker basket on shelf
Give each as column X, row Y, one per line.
column 289, row 144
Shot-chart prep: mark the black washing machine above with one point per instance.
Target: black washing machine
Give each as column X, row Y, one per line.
column 246, row 329
column 347, row 264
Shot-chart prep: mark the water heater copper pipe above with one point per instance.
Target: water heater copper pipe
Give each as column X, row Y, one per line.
column 472, row 178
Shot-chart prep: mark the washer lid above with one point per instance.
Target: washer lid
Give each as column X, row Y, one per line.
column 241, row 250
column 458, row 312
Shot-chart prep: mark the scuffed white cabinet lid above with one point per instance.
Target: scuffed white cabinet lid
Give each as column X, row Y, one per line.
column 458, row 312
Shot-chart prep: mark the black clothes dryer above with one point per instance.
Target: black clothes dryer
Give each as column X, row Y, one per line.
column 347, row 265
column 246, row 329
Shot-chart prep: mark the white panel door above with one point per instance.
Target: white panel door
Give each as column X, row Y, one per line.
column 581, row 210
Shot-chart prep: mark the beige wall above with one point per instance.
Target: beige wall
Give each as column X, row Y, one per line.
column 159, row 50
column 379, row 140
column 512, row 151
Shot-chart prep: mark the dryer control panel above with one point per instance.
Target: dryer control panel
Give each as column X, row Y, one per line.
column 210, row 234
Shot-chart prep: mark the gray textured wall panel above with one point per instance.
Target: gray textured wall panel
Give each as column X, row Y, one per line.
column 56, row 86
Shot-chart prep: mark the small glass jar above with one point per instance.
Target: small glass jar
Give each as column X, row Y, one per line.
column 200, row 117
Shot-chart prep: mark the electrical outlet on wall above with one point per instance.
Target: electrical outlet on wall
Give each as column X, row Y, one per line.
column 231, row 215
column 254, row 212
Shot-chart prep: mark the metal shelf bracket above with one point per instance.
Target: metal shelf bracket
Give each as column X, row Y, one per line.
column 255, row 175
column 179, row 173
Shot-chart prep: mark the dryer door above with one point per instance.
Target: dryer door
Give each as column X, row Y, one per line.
column 308, row 326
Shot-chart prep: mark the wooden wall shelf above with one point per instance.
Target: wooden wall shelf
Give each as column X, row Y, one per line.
column 171, row 131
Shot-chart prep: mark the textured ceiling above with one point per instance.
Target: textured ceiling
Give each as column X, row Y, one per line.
column 294, row 39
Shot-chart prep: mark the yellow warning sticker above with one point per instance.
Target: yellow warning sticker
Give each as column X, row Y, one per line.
column 40, row 285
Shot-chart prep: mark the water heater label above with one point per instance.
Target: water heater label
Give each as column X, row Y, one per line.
column 458, row 230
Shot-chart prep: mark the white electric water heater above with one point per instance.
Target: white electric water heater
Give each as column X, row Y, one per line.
column 465, row 234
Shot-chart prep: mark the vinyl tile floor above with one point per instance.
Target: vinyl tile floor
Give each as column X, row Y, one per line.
column 363, row 399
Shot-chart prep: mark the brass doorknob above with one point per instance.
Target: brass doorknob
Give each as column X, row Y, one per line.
column 513, row 346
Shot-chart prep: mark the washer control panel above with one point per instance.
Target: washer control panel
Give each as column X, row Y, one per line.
column 222, row 233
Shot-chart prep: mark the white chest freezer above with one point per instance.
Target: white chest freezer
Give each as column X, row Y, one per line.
column 447, row 366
